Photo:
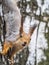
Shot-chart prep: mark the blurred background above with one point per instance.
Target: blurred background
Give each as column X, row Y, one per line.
column 37, row 53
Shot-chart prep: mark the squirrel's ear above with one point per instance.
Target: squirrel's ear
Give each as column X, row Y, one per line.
column 32, row 28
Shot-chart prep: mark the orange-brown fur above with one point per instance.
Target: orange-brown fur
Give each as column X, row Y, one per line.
column 18, row 44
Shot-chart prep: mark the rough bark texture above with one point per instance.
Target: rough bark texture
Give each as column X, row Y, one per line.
column 20, row 58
